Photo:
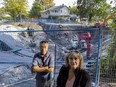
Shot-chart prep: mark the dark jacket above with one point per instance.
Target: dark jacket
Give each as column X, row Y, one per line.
column 82, row 78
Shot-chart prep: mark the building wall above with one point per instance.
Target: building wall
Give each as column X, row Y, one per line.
column 63, row 11
column 58, row 12
column 45, row 14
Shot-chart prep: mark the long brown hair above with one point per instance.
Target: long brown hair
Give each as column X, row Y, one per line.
column 76, row 54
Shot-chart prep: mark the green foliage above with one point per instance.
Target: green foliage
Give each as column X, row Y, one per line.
column 50, row 5
column 38, row 6
column 2, row 12
column 16, row 8
column 103, row 10
column 103, row 66
column 46, row 3
column 108, row 67
column 114, row 10
column 73, row 10
column 108, row 63
column 112, row 48
column 35, row 11
column 90, row 9
column 59, row 20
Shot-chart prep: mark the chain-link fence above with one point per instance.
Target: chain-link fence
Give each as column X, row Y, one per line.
column 108, row 59
column 18, row 47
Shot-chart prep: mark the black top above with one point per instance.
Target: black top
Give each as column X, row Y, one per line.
column 82, row 78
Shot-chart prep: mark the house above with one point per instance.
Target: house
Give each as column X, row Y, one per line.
column 74, row 17
column 55, row 12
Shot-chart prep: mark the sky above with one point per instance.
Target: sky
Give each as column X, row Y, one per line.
column 65, row 2
column 57, row 2
column 60, row 2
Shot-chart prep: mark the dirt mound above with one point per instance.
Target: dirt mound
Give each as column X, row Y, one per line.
column 27, row 24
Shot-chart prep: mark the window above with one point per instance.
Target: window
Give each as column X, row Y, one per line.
column 56, row 11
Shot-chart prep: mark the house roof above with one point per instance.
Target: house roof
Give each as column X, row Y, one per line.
column 55, row 8
column 73, row 16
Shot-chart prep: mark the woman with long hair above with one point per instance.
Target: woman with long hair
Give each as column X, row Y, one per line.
column 72, row 74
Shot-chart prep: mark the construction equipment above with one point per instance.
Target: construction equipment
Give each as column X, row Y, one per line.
column 105, row 23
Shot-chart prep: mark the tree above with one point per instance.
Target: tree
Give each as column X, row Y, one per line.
column 92, row 8
column 112, row 48
column 16, row 8
column 73, row 10
column 108, row 63
column 84, row 7
column 2, row 12
column 102, row 10
column 36, row 8
column 46, row 3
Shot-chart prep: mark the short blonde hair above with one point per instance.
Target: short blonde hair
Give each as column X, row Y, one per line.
column 76, row 54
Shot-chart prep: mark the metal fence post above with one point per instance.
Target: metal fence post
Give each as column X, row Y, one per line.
column 98, row 58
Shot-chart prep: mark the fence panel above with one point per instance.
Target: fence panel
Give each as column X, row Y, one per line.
column 18, row 47
column 108, row 59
